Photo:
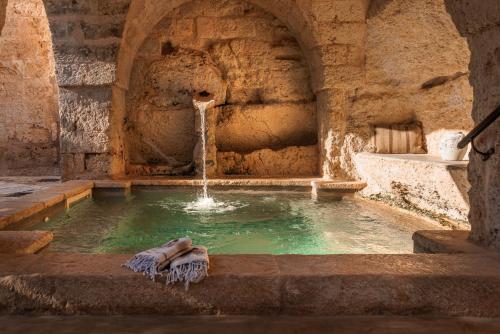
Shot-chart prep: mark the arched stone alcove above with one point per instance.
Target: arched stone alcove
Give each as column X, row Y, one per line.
column 264, row 122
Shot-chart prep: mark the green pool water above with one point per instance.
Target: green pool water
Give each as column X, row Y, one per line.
column 247, row 222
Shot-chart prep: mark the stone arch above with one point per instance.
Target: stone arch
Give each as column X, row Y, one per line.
column 144, row 16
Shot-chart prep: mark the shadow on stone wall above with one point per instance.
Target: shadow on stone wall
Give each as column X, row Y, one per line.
column 3, row 12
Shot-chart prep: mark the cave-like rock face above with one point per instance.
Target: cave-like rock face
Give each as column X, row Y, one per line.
column 264, row 122
column 479, row 22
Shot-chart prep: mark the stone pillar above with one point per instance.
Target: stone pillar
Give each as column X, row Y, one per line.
column 479, row 22
column 337, row 62
column 86, row 37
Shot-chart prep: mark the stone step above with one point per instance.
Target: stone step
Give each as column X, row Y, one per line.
column 247, row 325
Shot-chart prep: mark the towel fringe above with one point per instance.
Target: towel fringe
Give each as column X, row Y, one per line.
column 193, row 272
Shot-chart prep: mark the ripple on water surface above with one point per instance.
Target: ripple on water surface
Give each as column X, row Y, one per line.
column 232, row 222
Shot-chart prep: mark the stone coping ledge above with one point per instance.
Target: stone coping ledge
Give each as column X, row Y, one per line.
column 16, row 209
column 250, row 182
column 24, row 242
column 446, row 242
column 449, row 285
column 418, row 158
column 112, row 184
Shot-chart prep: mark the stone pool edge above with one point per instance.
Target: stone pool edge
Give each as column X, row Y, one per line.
column 442, row 284
column 55, row 283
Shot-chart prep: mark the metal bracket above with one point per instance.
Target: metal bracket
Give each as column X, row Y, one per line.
column 485, row 155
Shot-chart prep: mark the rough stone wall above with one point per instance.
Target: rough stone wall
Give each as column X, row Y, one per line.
column 86, row 36
column 356, row 62
column 3, row 13
column 416, row 69
column 29, row 120
column 479, row 22
column 255, row 68
column 330, row 33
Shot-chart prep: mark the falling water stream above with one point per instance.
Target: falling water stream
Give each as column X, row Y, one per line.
column 202, row 107
column 205, row 203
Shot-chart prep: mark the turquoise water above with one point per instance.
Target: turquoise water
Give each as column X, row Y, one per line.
column 248, row 222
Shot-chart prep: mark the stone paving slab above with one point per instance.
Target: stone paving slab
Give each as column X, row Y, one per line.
column 24, row 242
column 445, row 285
column 248, row 325
column 72, row 188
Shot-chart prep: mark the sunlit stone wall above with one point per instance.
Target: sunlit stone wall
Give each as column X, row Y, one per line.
column 29, row 120
column 264, row 123
column 365, row 65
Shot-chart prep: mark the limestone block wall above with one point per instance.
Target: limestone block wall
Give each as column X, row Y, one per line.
column 29, row 120
column 479, row 22
column 257, row 72
column 330, row 34
column 86, row 36
column 360, row 62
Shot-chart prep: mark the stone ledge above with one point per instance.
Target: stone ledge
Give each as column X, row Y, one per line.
column 452, row 285
column 112, row 184
column 416, row 181
column 24, row 242
column 13, row 210
column 249, row 182
column 445, row 242
column 419, row 158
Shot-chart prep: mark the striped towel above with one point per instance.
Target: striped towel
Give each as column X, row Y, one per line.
column 153, row 261
column 189, row 268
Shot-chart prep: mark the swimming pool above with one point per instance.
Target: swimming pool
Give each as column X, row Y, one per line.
column 245, row 222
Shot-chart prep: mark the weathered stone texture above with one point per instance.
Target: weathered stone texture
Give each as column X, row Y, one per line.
column 252, row 65
column 29, row 130
column 3, row 13
column 479, row 22
column 86, row 36
column 410, row 45
column 417, row 182
column 253, row 127
column 287, row 162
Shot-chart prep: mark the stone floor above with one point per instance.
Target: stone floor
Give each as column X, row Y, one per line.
column 22, row 185
column 243, row 325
